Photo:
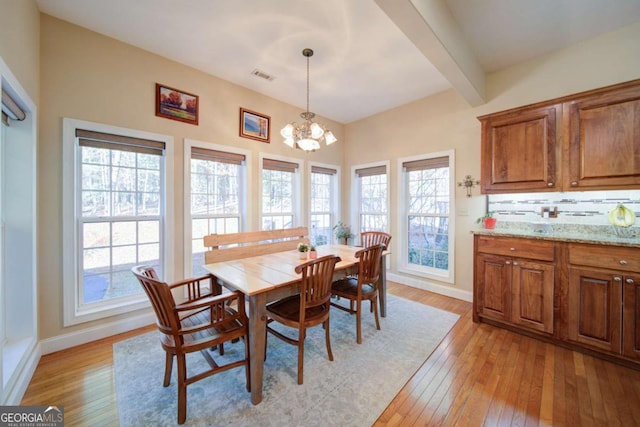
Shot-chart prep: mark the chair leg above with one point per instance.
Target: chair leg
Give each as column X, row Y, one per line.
column 301, row 338
column 182, row 389
column 374, row 304
column 328, row 339
column 167, row 369
column 359, row 322
column 247, row 367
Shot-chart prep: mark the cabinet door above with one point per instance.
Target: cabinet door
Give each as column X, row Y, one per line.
column 631, row 317
column 603, row 140
column 594, row 308
column 532, row 299
column 519, row 150
column 494, row 287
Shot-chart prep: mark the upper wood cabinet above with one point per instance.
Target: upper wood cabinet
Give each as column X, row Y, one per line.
column 519, row 150
column 586, row 141
column 604, row 140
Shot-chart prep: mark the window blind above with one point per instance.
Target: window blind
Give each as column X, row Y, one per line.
column 375, row 170
column 279, row 165
column 217, row 156
column 11, row 110
column 434, row 163
column 326, row 171
column 88, row 138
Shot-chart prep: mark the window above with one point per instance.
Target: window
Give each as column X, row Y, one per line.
column 373, row 203
column 216, row 188
column 280, row 194
column 323, row 203
column 114, row 219
column 428, row 203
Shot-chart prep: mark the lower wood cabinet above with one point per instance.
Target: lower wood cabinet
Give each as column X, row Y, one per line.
column 514, row 289
column 583, row 295
column 631, row 317
column 604, row 298
column 594, row 308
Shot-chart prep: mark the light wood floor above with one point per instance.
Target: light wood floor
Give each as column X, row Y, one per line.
column 479, row 375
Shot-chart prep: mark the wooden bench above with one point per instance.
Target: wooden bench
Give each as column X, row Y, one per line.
column 225, row 247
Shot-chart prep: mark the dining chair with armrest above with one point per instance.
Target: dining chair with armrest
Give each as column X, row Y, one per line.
column 200, row 323
column 361, row 288
column 309, row 308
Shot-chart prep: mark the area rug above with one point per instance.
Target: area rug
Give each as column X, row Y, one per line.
column 352, row 390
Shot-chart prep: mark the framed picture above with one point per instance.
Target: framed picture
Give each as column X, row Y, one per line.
column 255, row 125
column 176, row 105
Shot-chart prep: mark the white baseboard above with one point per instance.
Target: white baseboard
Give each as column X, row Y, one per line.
column 432, row 287
column 17, row 388
column 83, row 336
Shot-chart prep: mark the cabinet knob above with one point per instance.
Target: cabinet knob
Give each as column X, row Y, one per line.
column 549, row 184
column 508, row 262
column 630, row 281
column 512, row 249
column 515, row 263
column 574, row 183
column 623, row 262
column 617, row 279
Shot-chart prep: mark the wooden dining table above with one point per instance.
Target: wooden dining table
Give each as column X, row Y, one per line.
column 266, row 278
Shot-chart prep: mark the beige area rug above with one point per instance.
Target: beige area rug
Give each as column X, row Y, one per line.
column 353, row 390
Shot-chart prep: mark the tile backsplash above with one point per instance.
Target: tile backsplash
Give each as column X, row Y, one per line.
column 579, row 207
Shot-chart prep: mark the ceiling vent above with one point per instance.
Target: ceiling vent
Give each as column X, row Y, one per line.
column 262, row 75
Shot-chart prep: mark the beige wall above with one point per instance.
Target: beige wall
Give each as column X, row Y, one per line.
column 446, row 121
column 19, row 43
column 90, row 77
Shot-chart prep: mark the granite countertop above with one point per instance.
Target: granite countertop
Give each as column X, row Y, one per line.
column 600, row 235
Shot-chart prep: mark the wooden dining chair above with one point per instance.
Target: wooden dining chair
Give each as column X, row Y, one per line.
column 202, row 322
column 307, row 309
column 361, row 288
column 372, row 238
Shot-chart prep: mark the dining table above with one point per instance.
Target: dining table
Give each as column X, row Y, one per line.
column 267, row 278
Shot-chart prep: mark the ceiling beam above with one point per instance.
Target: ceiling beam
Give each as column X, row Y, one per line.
column 431, row 27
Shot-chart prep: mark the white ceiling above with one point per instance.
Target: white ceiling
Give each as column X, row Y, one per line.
column 369, row 55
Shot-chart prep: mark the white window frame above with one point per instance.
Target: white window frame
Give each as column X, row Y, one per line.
column 402, row 254
column 73, row 313
column 335, row 195
column 356, row 227
column 297, row 187
column 245, row 189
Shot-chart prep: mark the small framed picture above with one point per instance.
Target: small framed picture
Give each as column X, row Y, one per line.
column 175, row 104
column 255, row 125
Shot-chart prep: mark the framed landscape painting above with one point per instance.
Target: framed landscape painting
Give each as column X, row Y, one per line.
column 176, row 105
column 255, row 125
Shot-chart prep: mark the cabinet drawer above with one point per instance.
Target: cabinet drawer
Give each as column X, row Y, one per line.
column 522, row 248
column 611, row 257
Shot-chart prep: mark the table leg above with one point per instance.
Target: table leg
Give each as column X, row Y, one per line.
column 382, row 288
column 257, row 343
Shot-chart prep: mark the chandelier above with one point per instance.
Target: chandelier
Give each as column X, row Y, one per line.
column 307, row 135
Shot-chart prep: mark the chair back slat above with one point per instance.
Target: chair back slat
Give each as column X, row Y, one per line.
column 161, row 299
column 317, row 276
column 372, row 238
column 369, row 263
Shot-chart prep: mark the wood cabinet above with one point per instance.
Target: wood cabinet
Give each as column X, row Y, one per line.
column 604, row 298
column 584, row 296
column 585, row 141
column 519, row 150
column 631, row 317
column 514, row 282
column 604, row 140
